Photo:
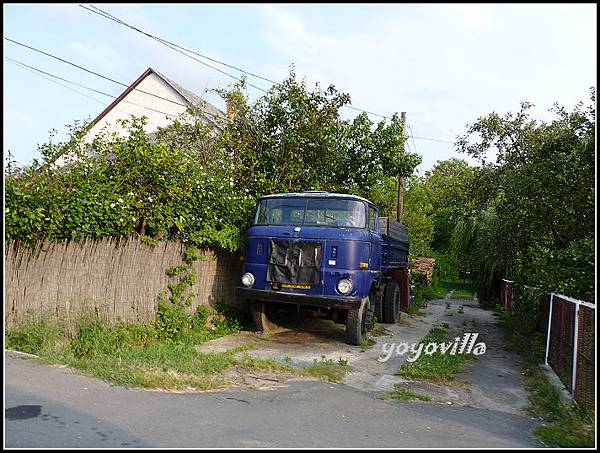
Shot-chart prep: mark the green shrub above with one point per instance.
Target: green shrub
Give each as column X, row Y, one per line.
column 185, row 186
column 33, row 338
column 199, row 319
column 231, row 319
column 172, row 320
column 160, row 355
column 140, row 334
column 175, row 323
column 97, row 337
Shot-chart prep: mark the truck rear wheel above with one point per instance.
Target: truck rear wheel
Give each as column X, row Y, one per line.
column 391, row 303
column 259, row 312
column 356, row 324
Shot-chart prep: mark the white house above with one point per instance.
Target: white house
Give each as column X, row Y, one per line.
column 158, row 98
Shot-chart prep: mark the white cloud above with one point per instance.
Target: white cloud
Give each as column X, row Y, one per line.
column 100, row 54
column 446, row 65
column 20, row 118
column 443, row 64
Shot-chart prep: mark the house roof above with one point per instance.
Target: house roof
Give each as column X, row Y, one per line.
column 212, row 113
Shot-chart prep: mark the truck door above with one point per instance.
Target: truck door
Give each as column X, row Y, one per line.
column 375, row 258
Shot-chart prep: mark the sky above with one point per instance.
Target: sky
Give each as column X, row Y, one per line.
column 444, row 64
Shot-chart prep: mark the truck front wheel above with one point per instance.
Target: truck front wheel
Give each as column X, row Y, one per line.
column 356, row 324
column 259, row 312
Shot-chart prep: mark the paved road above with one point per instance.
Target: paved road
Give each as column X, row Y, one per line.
column 53, row 407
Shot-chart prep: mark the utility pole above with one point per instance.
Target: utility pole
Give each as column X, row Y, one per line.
column 400, row 177
column 404, row 274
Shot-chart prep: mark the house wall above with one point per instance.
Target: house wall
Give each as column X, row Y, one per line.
column 138, row 104
column 150, row 84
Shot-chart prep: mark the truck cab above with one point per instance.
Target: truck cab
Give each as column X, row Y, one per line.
column 323, row 251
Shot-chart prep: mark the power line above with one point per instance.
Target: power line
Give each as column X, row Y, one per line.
column 164, row 42
column 26, row 67
column 433, row 139
column 40, row 73
column 116, row 19
column 179, row 49
column 209, row 114
column 412, row 138
column 57, row 77
column 103, row 76
column 64, row 61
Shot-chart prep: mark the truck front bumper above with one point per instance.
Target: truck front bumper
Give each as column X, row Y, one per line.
column 342, row 303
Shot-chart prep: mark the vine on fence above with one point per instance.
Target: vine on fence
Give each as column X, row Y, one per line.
column 175, row 322
column 172, row 317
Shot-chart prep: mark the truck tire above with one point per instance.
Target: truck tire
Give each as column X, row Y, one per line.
column 356, row 327
column 376, row 300
column 391, row 303
column 259, row 316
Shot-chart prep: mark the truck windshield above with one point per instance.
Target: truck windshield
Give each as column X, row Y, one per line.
column 311, row 211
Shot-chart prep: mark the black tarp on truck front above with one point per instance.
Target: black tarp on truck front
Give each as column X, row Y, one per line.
column 295, row 262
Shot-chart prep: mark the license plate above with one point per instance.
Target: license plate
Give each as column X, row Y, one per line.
column 295, row 286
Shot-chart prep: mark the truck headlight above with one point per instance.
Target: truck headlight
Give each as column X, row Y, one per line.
column 344, row 286
column 248, row 279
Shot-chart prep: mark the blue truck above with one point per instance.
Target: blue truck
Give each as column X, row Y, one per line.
column 329, row 253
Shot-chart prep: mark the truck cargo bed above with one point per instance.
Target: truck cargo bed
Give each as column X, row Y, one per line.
column 394, row 244
column 393, row 228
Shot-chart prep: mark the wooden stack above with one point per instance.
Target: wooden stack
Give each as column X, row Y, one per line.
column 423, row 266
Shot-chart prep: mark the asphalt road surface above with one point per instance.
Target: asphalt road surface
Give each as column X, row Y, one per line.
column 54, row 407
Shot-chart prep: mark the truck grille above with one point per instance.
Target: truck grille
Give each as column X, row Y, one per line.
column 295, row 262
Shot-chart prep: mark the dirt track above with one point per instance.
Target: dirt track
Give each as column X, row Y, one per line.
column 493, row 380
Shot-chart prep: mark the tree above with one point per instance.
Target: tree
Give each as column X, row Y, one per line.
column 195, row 185
column 418, row 217
column 293, row 139
column 448, row 184
column 531, row 216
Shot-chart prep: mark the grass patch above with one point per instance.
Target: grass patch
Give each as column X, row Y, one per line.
column 469, row 325
column 462, row 294
column 416, row 310
column 574, row 431
column 426, row 293
column 436, row 367
column 161, row 355
column 566, row 425
column 404, row 394
column 457, row 286
column 366, row 343
column 254, row 363
column 158, row 365
column 158, row 356
column 380, row 330
column 34, row 337
column 327, row 369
